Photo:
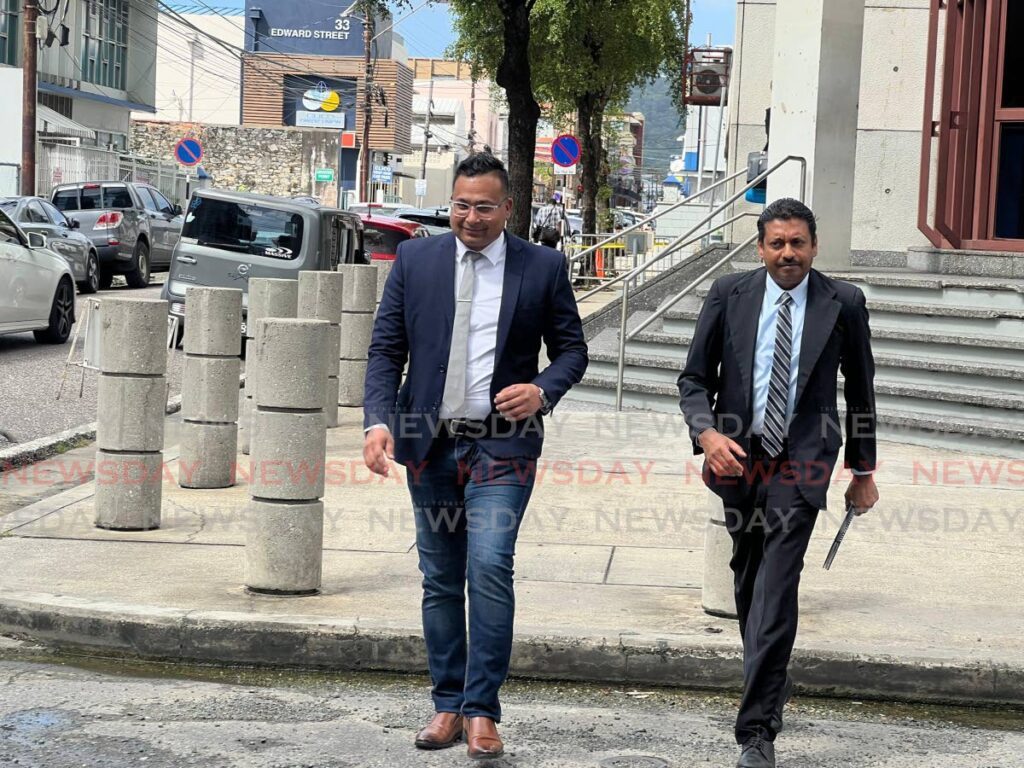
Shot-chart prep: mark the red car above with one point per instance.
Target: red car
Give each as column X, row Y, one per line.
column 383, row 234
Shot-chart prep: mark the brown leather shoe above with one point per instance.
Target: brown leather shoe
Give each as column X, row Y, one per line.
column 444, row 731
column 482, row 738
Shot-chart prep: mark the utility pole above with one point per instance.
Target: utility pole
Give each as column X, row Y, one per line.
column 426, row 130
column 472, row 114
column 192, row 44
column 30, row 50
column 367, row 184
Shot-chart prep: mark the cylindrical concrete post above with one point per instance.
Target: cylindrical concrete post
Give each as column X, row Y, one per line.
column 284, row 522
column 132, row 400
column 321, row 297
column 383, row 270
column 356, row 328
column 209, row 388
column 717, row 595
column 268, row 297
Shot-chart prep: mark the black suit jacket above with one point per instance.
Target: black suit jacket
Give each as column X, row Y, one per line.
column 414, row 324
column 716, row 384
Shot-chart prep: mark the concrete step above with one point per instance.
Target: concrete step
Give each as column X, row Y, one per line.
column 945, row 319
column 910, row 420
column 964, row 388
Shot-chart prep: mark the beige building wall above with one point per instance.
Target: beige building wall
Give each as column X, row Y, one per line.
column 889, row 121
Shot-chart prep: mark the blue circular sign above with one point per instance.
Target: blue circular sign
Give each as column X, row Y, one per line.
column 188, row 151
column 565, row 150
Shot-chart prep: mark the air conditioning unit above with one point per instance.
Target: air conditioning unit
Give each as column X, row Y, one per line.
column 707, row 78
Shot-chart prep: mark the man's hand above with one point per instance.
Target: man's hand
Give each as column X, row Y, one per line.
column 518, row 401
column 379, row 450
column 861, row 493
column 721, row 453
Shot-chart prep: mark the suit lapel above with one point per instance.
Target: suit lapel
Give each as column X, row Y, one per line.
column 445, row 273
column 515, row 260
column 819, row 320
column 743, row 326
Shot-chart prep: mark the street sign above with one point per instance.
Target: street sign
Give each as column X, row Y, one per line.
column 324, row 174
column 188, row 151
column 382, row 174
column 421, row 187
column 565, row 150
column 565, row 170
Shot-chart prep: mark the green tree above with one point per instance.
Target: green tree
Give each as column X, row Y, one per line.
column 495, row 37
column 597, row 51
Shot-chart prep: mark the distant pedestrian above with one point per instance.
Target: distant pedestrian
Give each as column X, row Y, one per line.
column 550, row 223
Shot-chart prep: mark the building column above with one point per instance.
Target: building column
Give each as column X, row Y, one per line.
column 815, row 90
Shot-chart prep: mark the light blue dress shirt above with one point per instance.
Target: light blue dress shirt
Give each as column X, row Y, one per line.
column 764, row 351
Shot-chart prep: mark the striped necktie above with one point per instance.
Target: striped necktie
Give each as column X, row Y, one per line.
column 774, row 431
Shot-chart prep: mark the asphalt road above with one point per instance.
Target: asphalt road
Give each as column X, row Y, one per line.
column 58, row 712
column 30, row 377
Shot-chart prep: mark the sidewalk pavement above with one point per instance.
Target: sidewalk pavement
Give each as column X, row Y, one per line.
column 924, row 601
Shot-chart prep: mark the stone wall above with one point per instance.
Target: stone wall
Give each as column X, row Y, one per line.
column 268, row 161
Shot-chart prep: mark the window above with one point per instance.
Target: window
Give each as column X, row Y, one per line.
column 146, row 198
column 244, row 228
column 92, row 197
column 162, row 203
column 104, row 43
column 8, row 232
column 10, row 23
column 33, row 213
column 54, row 215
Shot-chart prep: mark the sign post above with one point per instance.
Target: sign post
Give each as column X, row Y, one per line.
column 188, row 151
column 565, row 150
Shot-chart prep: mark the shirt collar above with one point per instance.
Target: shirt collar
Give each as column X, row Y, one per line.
column 772, row 291
column 494, row 253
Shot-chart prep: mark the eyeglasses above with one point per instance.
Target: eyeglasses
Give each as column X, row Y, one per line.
column 483, row 210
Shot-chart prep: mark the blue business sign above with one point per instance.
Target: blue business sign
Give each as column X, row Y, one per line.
column 285, row 26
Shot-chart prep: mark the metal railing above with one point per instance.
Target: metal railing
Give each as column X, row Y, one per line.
column 679, row 242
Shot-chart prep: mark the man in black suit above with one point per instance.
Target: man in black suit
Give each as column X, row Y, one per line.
column 759, row 395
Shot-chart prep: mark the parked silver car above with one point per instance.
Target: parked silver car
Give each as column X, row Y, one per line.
column 37, row 290
column 33, row 214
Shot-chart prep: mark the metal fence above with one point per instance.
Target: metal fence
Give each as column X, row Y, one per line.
column 66, row 164
column 620, row 255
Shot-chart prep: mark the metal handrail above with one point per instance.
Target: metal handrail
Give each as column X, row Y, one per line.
column 654, row 216
column 623, row 336
column 677, row 243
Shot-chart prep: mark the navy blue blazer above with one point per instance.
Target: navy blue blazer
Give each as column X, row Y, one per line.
column 716, row 383
column 414, row 324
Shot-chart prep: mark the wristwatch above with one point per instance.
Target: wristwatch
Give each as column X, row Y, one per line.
column 545, row 404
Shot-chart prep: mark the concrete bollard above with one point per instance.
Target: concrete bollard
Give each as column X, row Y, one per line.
column 356, row 328
column 321, row 297
column 132, row 400
column 268, row 297
column 383, row 270
column 717, row 595
column 209, row 391
column 284, row 522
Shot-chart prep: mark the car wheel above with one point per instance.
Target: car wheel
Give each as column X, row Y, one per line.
column 92, row 274
column 62, row 315
column 106, row 278
column 139, row 276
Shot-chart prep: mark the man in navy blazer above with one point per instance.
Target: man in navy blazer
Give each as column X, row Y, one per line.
column 468, row 312
column 759, row 394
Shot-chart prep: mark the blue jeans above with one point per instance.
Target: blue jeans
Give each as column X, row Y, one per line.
column 468, row 508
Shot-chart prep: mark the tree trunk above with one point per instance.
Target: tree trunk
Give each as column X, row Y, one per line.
column 523, row 111
column 589, row 158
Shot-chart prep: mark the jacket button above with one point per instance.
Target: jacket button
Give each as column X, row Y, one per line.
column 441, row 369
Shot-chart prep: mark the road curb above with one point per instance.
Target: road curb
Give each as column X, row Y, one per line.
column 42, row 448
column 268, row 640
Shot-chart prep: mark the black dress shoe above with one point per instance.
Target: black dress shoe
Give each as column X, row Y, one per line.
column 757, row 753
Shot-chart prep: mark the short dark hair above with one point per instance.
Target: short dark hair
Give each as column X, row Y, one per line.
column 482, row 163
column 786, row 208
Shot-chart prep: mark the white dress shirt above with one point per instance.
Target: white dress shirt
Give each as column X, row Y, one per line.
column 764, row 351
column 483, row 327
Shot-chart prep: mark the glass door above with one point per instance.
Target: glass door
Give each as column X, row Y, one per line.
column 1008, row 124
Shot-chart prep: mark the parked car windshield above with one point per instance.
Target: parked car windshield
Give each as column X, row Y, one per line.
column 256, row 230
column 91, row 198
